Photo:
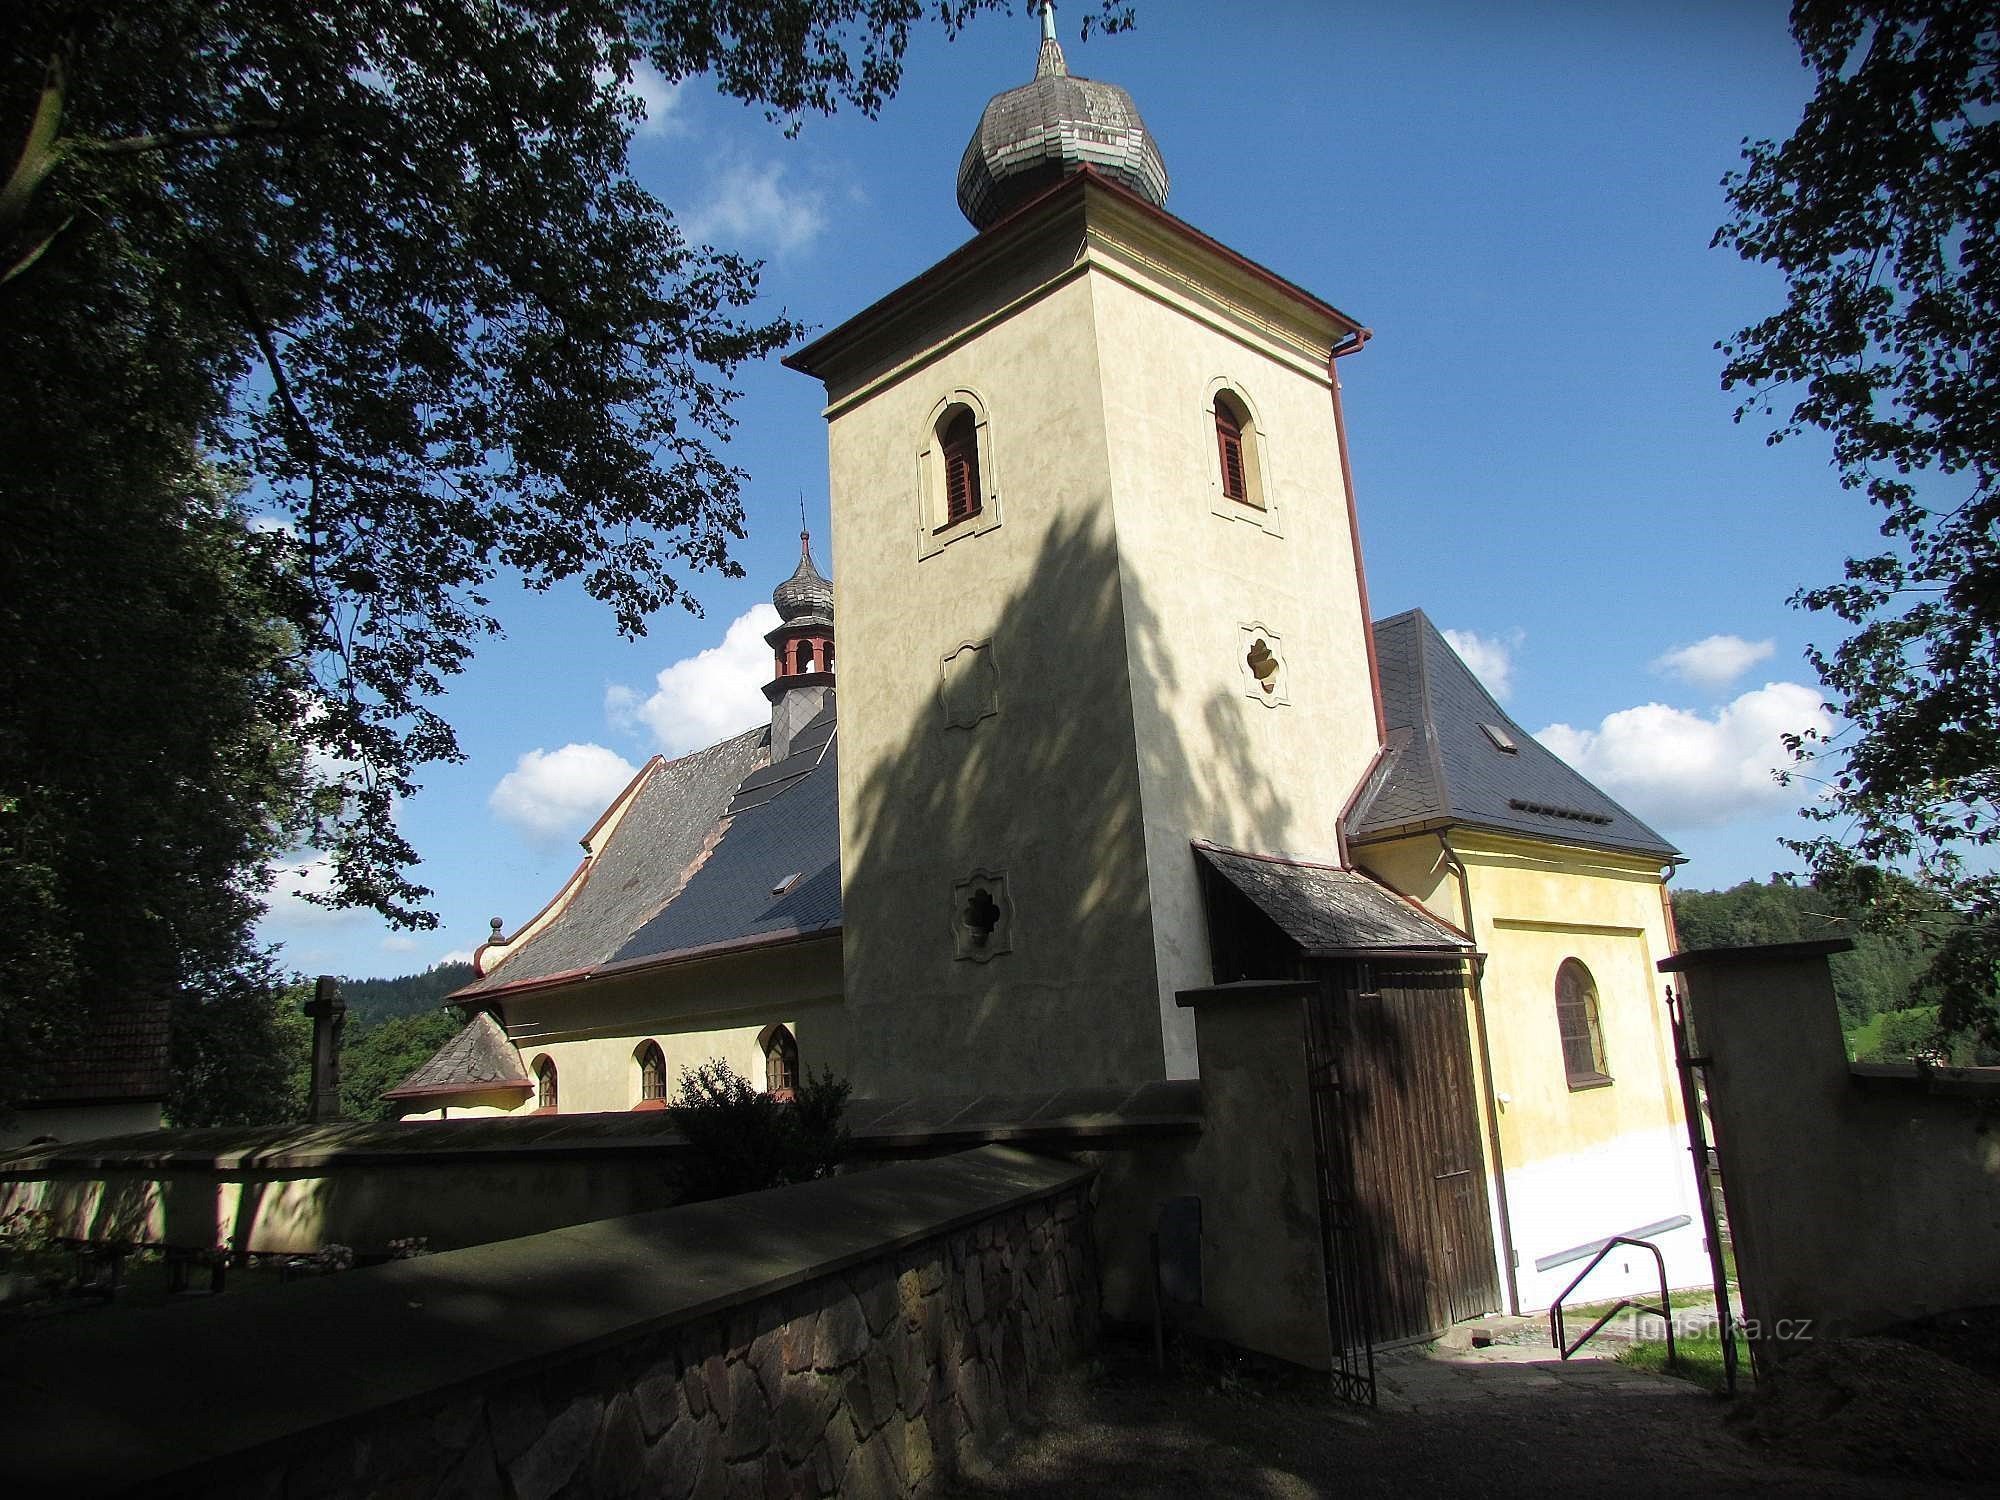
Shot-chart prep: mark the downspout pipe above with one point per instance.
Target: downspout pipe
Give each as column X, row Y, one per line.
column 1507, row 1257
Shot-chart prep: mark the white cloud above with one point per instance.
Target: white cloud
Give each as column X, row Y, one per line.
column 754, row 206
column 1715, row 661
column 292, row 881
column 397, row 942
column 659, row 101
column 551, row 795
column 1680, row 769
column 1491, row 659
column 706, row 697
column 456, row 956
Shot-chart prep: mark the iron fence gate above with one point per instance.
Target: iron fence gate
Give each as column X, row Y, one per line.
column 1350, row 1293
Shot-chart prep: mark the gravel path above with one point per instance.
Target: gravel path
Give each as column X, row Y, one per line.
column 1502, row 1421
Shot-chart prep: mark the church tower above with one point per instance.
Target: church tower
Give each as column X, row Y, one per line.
column 1100, row 597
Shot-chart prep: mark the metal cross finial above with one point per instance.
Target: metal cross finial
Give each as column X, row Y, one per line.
column 805, row 535
column 1049, row 61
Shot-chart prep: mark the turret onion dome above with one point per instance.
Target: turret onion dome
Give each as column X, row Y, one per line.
column 806, row 597
column 1029, row 138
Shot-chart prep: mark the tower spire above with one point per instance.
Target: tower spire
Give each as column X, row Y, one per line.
column 1050, row 63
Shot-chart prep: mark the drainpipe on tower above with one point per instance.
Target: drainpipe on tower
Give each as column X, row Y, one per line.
column 1507, row 1260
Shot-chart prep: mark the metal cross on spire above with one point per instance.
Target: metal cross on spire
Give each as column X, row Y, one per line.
column 1050, row 61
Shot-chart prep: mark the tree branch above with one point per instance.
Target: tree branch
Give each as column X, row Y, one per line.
column 173, row 140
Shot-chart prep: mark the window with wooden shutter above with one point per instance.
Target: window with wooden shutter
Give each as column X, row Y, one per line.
column 961, row 468
column 545, row 1085
column 1577, row 1020
column 652, row 1073
column 781, row 1063
column 1229, row 450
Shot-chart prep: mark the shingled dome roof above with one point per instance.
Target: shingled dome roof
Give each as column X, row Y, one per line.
column 806, row 595
column 1029, row 138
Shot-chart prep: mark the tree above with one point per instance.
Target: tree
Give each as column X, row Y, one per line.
column 371, row 1000
column 145, row 771
column 1881, row 211
column 318, row 320
column 242, row 1051
column 388, row 261
column 379, row 1057
column 1879, row 974
column 743, row 1140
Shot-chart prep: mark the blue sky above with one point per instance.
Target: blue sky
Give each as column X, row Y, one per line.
column 1517, row 198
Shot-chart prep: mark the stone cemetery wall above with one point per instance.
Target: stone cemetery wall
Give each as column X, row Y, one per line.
column 867, row 1335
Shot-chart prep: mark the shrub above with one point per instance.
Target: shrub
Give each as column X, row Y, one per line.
column 743, row 1140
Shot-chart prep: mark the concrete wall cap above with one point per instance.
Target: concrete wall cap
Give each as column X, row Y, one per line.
column 1756, row 953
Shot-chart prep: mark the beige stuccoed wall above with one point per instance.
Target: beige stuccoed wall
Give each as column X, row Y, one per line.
column 1218, row 760
column 1046, row 790
column 1092, row 338
column 1586, row 1163
column 719, row 1007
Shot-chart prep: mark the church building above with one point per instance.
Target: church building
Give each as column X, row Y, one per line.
column 1114, row 724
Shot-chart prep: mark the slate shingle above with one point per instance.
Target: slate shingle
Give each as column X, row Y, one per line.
column 479, row 1057
column 642, row 865
column 1330, row 912
column 1442, row 769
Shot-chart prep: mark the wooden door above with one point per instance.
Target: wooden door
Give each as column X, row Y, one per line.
column 1412, row 1123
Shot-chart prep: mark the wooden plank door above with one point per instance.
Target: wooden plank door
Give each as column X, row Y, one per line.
column 1413, row 1139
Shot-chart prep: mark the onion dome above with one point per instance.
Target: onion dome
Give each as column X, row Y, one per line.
column 805, row 597
column 1029, row 138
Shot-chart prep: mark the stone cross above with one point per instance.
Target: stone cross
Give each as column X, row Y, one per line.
column 329, row 1015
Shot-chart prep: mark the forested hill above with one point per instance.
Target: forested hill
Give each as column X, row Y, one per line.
column 1876, row 977
column 372, row 1000
column 1881, row 1013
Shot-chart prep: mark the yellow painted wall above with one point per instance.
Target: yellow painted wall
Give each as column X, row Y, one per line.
column 1580, row 1163
column 720, row 1007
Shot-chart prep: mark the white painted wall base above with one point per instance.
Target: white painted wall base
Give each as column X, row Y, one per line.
column 1624, row 1184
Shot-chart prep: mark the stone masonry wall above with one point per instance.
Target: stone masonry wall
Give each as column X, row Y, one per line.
column 876, row 1381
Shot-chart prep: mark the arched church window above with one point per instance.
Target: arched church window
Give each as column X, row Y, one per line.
column 1237, row 469
column 958, row 438
column 1577, row 1020
column 652, row 1074
column 1229, row 448
column 545, row 1085
column 781, row 1062
column 802, row 657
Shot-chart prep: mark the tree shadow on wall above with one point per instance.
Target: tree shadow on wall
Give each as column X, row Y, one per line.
column 1019, row 797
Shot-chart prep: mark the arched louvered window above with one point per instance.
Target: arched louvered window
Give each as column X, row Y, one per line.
column 1577, row 1020
column 781, row 1062
column 652, row 1074
column 545, row 1085
column 1229, row 426
column 959, row 440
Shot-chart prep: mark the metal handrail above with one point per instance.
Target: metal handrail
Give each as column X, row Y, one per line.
column 1665, row 1311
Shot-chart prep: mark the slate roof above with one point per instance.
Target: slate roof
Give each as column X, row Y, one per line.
column 641, row 866
column 775, row 871
column 1330, row 912
column 479, row 1057
column 123, row 1058
column 1443, row 769
column 717, row 849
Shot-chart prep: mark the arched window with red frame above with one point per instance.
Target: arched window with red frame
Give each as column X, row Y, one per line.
column 1229, row 425
column 959, row 438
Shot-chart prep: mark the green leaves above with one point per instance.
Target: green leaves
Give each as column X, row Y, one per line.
column 1883, row 211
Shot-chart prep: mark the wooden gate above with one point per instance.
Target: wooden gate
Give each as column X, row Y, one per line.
column 1411, row 1120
